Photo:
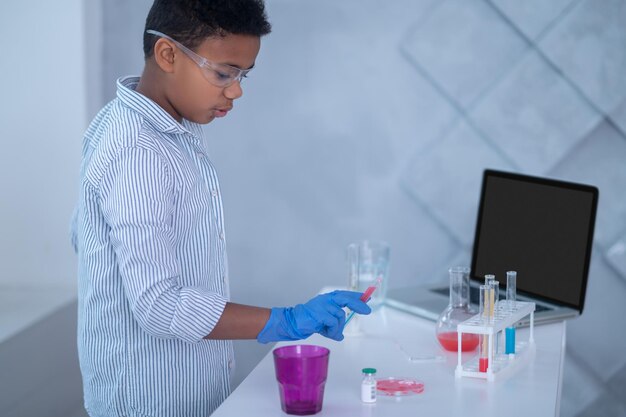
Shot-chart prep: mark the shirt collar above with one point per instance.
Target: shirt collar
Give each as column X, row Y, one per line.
column 161, row 119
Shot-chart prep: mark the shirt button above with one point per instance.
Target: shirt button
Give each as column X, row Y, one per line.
column 214, row 192
column 224, row 279
column 230, row 364
column 222, row 235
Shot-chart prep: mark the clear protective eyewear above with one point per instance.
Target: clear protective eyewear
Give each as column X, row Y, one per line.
column 220, row 75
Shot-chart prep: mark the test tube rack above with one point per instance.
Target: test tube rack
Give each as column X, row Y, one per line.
column 505, row 316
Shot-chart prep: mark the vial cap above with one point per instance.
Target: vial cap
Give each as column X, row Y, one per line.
column 369, row 370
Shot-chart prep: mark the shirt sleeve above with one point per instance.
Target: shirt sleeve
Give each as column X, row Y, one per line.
column 137, row 199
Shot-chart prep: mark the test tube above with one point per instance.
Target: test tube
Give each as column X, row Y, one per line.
column 511, row 288
column 495, row 292
column 489, row 278
column 484, row 308
column 486, row 303
column 511, row 295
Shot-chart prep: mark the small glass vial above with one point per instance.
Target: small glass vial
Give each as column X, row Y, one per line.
column 368, row 385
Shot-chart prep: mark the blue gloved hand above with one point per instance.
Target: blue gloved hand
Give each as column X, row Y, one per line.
column 322, row 314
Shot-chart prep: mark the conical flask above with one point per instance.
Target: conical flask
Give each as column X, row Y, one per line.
column 458, row 310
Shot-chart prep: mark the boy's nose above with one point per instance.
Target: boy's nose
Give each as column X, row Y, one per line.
column 233, row 91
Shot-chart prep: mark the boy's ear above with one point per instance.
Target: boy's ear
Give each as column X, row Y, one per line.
column 164, row 54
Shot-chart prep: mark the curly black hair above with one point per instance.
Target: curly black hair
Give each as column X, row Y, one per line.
column 190, row 22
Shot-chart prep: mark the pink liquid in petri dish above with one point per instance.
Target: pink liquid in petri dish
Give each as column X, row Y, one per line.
column 450, row 341
column 399, row 386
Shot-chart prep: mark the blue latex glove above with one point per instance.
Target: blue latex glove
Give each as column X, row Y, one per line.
column 322, row 314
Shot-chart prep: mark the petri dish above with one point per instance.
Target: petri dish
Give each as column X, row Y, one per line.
column 398, row 386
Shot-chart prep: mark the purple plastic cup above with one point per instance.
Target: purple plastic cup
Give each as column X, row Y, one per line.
column 301, row 373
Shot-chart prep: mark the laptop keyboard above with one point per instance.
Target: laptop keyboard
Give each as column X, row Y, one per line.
column 475, row 297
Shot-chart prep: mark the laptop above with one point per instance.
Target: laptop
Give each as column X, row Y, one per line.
column 542, row 228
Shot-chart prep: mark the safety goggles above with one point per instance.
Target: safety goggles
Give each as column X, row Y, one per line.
column 220, row 75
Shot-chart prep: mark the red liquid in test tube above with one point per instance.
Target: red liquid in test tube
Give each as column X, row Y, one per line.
column 483, row 364
column 368, row 293
column 365, row 297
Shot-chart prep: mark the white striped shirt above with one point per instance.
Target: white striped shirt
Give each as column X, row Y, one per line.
column 152, row 267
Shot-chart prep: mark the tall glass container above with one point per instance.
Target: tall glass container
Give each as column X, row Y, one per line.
column 458, row 310
column 368, row 262
column 511, row 297
column 485, row 307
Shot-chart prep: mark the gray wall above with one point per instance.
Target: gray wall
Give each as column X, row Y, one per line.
column 372, row 118
column 42, row 117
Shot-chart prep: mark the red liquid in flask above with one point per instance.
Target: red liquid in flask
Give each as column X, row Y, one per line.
column 450, row 341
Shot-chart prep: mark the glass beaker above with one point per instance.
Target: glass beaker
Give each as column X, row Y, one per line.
column 368, row 263
column 301, row 371
column 458, row 310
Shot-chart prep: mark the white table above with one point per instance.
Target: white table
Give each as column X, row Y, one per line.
column 533, row 389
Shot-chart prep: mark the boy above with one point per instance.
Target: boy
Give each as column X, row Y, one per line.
column 155, row 321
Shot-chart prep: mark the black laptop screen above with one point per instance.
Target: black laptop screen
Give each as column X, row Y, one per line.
column 541, row 228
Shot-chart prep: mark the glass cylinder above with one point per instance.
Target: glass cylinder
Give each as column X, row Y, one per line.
column 368, row 263
column 485, row 308
column 495, row 290
column 511, row 299
column 511, row 288
column 495, row 285
column 458, row 310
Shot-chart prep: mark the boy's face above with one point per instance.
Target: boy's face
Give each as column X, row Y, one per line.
column 192, row 95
